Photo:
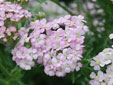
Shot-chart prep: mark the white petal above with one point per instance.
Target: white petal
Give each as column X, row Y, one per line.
column 92, row 75
column 111, row 36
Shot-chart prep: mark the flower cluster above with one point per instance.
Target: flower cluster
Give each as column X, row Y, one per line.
column 58, row 45
column 104, row 58
column 10, row 15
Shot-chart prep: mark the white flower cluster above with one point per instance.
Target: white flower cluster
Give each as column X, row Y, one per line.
column 104, row 58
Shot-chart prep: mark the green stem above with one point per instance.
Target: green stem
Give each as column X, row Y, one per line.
column 2, row 68
column 67, row 10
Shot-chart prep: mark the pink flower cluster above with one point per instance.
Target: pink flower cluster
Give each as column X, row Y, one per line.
column 58, row 45
column 104, row 58
column 10, row 14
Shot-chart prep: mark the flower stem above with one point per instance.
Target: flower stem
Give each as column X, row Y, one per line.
column 67, row 10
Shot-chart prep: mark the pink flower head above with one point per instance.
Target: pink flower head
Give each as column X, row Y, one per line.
column 58, row 45
column 12, row 13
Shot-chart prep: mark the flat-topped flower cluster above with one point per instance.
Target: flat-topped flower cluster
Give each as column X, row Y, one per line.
column 10, row 15
column 58, row 45
column 103, row 76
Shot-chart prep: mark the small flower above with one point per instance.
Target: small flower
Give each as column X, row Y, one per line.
column 111, row 36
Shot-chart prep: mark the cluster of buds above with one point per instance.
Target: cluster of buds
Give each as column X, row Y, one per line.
column 104, row 58
column 58, row 45
column 10, row 15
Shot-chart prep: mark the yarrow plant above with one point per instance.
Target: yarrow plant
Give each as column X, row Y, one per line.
column 58, row 48
column 103, row 77
column 10, row 15
column 58, row 45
